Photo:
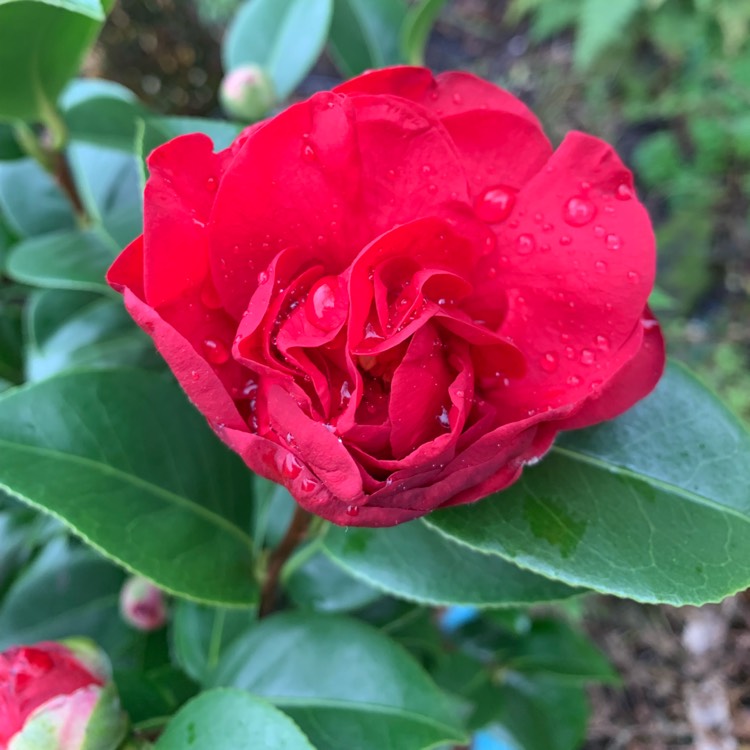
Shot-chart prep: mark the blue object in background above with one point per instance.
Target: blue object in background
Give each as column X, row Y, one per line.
column 454, row 617
column 491, row 741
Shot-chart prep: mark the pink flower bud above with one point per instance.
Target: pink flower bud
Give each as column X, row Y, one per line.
column 52, row 700
column 142, row 604
column 247, row 93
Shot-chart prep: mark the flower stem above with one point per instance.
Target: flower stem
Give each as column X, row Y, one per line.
column 295, row 534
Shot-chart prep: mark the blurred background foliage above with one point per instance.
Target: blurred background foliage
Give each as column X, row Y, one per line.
column 666, row 81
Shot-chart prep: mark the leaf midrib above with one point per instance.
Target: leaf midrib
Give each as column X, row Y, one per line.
column 661, row 484
column 108, row 470
column 375, row 708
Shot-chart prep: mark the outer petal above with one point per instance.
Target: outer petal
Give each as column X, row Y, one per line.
column 178, row 200
column 577, row 287
column 328, row 175
column 500, row 141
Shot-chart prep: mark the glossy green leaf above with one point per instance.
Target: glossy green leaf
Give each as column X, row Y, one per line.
column 231, row 720
column 345, row 683
column 536, row 713
column 554, row 648
column 76, row 259
column 9, row 147
column 652, row 506
column 69, row 329
column 200, row 635
column 416, row 29
column 66, row 592
column 149, row 693
column 42, row 43
column 414, row 562
column 126, row 462
column 325, row 587
column 31, row 202
column 107, row 180
column 365, row 34
column 285, row 37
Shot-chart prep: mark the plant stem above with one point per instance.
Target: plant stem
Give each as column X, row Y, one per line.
column 294, row 535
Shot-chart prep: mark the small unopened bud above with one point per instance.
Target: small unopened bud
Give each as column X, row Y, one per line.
column 142, row 604
column 247, row 93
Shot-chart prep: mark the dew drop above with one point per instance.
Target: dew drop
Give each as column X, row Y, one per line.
column 262, row 277
column 602, row 343
column 573, row 380
column 614, row 242
column 623, row 192
column 587, row 357
column 570, row 352
column 326, row 304
column 599, row 231
column 308, row 485
column 211, row 184
column 290, row 467
column 649, row 323
column 444, row 419
column 352, row 510
column 195, row 375
column 579, row 211
column 526, row 244
column 633, row 277
column 495, row 204
column 549, row 362
column 600, row 266
column 566, row 240
column 346, row 394
column 308, row 152
column 216, row 353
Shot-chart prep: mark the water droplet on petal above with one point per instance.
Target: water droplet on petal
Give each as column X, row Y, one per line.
column 262, row 277
column 526, row 244
column 195, row 375
column 623, row 192
column 495, row 204
column 290, row 467
column 216, row 353
column 649, row 323
column 579, row 211
column 444, row 419
column 211, row 184
column 549, row 362
column 587, row 357
column 327, row 304
column 308, row 485
column 566, row 240
column 633, row 277
column 573, row 380
column 308, row 152
column 599, row 231
column 602, row 342
column 614, row 242
column 346, row 394
column 600, row 266
column 352, row 511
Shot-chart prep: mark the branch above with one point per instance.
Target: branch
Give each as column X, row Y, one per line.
column 295, row 534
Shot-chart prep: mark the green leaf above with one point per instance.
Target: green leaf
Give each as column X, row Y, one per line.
column 416, row 29
column 366, row 34
column 43, row 43
column 150, row 693
column 9, row 148
column 127, row 463
column 67, row 591
column 231, row 720
column 200, row 635
column 323, row 586
column 76, row 259
column 108, row 180
column 285, row 37
column 554, row 648
column 345, row 683
column 652, row 506
column 536, row 714
column 31, row 202
column 80, row 329
column 601, row 23
column 414, row 562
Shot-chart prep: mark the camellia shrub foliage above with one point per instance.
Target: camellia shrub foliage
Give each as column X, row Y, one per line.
column 320, row 421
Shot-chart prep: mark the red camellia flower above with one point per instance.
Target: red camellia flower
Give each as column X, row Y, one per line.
column 392, row 296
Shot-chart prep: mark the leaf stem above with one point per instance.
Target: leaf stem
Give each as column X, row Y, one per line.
column 295, row 534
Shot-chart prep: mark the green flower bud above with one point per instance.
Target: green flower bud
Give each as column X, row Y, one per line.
column 247, row 93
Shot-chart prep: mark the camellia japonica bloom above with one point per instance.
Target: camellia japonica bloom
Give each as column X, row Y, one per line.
column 392, row 296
